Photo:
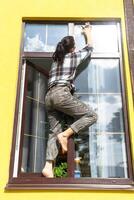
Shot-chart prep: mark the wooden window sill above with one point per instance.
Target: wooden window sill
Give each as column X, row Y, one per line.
column 68, row 187
column 25, row 182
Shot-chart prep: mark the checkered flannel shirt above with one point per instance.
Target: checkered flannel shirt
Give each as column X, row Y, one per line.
column 65, row 73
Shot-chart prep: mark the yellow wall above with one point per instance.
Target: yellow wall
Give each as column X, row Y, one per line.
column 11, row 14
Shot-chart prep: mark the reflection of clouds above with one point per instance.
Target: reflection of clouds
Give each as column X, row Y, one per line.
column 89, row 100
column 105, row 37
column 78, row 30
column 109, row 146
column 36, row 44
column 105, row 64
column 108, row 106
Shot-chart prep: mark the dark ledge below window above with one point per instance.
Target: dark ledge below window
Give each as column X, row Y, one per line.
column 68, row 187
column 25, row 182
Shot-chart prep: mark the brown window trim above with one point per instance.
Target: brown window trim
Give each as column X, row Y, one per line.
column 27, row 181
column 68, row 183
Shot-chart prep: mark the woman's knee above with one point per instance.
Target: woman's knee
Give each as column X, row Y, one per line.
column 92, row 115
column 95, row 116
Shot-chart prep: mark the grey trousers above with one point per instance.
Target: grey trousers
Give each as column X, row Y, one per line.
column 59, row 101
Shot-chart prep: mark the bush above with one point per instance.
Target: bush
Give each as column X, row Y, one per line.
column 61, row 170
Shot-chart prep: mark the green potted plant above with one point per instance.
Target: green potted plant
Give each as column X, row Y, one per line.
column 61, row 170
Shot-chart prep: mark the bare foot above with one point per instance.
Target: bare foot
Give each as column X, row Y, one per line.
column 47, row 170
column 63, row 141
column 47, row 173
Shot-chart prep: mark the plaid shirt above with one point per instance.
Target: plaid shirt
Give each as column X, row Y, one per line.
column 65, row 73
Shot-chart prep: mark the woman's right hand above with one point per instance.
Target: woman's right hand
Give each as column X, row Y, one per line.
column 87, row 29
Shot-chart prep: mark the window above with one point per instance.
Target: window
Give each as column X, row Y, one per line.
column 101, row 154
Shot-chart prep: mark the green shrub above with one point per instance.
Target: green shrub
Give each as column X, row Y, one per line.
column 61, row 170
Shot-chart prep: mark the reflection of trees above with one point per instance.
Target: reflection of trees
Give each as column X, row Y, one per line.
column 116, row 124
column 109, row 78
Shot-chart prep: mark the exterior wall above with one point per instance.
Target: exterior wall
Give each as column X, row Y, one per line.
column 11, row 14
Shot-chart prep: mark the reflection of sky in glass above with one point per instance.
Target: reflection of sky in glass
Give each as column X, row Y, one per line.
column 110, row 158
column 102, row 79
column 102, row 155
column 110, row 113
column 34, row 38
column 104, row 38
column 55, row 33
column 89, row 76
column 107, row 154
column 100, row 76
column 41, row 37
column 109, row 110
column 108, row 75
column 79, row 37
column 79, row 80
column 89, row 99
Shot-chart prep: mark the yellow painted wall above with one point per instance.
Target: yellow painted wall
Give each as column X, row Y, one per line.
column 11, row 14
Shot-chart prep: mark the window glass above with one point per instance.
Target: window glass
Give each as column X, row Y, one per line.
column 104, row 38
column 100, row 76
column 96, row 148
column 43, row 37
column 89, row 75
column 54, row 34
column 100, row 155
column 33, row 152
column 36, row 127
column 34, row 37
column 110, row 113
column 108, row 75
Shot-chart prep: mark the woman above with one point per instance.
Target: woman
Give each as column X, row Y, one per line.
column 60, row 99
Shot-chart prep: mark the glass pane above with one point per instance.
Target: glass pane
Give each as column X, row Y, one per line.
column 110, row 113
column 100, row 155
column 35, row 118
column 108, row 75
column 79, row 37
column 104, row 38
column 86, row 72
column 36, row 123
column 36, row 126
column 35, row 37
column 33, row 158
column 36, row 84
column 99, row 86
column 43, row 37
column 100, row 76
column 54, row 34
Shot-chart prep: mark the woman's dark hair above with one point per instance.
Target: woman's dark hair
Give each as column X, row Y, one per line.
column 63, row 47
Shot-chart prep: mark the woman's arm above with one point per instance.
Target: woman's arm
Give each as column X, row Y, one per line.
column 87, row 31
column 84, row 53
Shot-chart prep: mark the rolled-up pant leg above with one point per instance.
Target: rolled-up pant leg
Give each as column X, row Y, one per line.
column 55, row 119
column 57, row 125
